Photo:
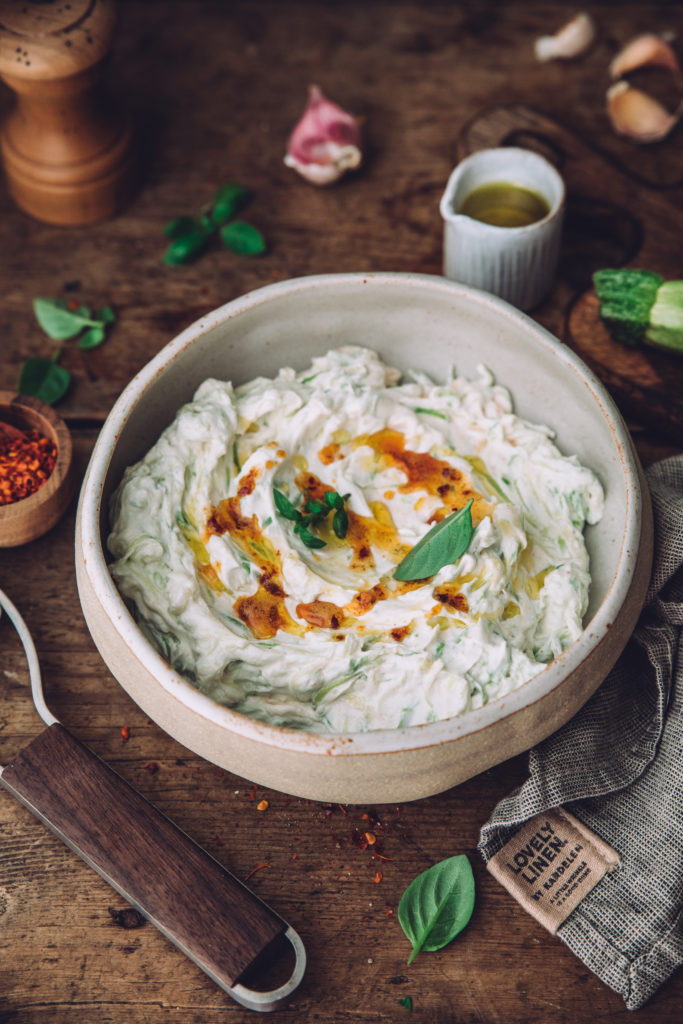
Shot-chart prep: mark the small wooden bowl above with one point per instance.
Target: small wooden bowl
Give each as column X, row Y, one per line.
column 24, row 520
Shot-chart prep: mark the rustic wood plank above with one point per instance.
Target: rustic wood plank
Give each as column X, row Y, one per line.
column 216, row 88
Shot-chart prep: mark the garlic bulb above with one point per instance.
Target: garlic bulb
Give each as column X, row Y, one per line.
column 643, row 50
column 326, row 141
column 638, row 116
column 571, row 40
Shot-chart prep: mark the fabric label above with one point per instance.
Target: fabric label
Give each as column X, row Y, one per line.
column 551, row 864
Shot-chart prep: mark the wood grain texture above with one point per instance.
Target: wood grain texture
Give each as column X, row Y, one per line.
column 149, row 861
column 216, row 88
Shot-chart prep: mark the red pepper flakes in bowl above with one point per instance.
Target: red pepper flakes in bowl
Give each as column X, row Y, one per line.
column 27, row 459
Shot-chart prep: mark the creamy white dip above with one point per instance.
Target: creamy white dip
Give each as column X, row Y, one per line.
column 326, row 638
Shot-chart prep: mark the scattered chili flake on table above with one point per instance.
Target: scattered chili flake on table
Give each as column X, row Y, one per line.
column 254, row 870
column 262, row 805
column 152, row 767
column 27, row 459
column 125, row 733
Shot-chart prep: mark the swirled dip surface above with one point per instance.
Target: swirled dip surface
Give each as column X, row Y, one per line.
column 327, row 639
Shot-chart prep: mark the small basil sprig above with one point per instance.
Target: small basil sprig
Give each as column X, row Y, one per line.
column 45, row 378
column 437, row 905
column 61, row 323
column 190, row 235
column 314, row 512
column 445, row 542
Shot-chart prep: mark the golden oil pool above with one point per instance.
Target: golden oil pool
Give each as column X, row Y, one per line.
column 505, row 205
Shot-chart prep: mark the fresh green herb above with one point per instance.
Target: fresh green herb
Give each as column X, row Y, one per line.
column 340, row 523
column 182, row 520
column 191, row 235
column 437, row 905
column 406, row 1002
column 638, row 306
column 442, row 545
column 180, row 226
column 44, row 379
column 314, row 512
column 184, row 248
column 62, row 323
column 243, row 238
column 228, row 201
column 431, row 412
column 285, row 507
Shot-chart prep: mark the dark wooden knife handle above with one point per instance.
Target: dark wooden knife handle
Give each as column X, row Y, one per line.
column 187, row 894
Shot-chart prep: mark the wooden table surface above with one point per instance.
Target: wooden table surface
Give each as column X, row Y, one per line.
column 215, row 89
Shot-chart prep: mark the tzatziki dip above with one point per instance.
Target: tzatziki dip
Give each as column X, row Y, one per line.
column 260, row 541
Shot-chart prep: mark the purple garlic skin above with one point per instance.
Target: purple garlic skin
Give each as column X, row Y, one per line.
column 326, row 141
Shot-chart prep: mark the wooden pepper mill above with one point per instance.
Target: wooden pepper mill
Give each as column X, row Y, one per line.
column 67, row 151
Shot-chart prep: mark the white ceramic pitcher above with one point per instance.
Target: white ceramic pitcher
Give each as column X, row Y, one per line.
column 516, row 263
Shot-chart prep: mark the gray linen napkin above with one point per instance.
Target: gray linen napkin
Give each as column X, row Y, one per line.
column 617, row 766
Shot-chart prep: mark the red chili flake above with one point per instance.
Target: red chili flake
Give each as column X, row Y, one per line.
column 254, row 870
column 389, row 912
column 358, row 838
column 380, row 856
column 263, row 805
column 152, row 767
column 378, row 878
column 342, row 808
column 125, row 733
column 27, row 459
column 72, row 304
column 371, row 838
column 294, row 856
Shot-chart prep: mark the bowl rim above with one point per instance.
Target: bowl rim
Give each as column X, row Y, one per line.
column 380, row 740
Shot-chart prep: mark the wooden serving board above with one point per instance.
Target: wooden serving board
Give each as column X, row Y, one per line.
column 614, row 218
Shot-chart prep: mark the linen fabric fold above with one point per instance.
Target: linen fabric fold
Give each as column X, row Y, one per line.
column 617, row 767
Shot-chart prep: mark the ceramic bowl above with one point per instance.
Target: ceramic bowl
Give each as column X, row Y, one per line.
column 412, row 321
column 25, row 520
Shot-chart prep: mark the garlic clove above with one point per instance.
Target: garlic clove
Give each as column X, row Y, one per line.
column 644, row 50
column 636, row 115
column 571, row 40
column 325, row 143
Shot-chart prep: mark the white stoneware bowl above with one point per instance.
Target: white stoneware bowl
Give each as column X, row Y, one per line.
column 411, row 320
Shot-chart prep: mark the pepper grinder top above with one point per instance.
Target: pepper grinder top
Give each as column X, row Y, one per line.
column 66, row 148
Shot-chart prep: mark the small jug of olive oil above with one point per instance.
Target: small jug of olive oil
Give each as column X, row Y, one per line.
column 502, row 211
column 505, row 205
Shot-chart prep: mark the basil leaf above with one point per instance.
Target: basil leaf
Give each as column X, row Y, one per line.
column 184, row 249
column 437, row 905
column 106, row 315
column 406, row 1002
column 228, row 201
column 243, row 238
column 180, row 226
column 285, row 507
column 43, row 379
column 93, row 337
column 315, row 508
column 57, row 321
column 442, row 545
column 307, row 537
column 340, row 523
